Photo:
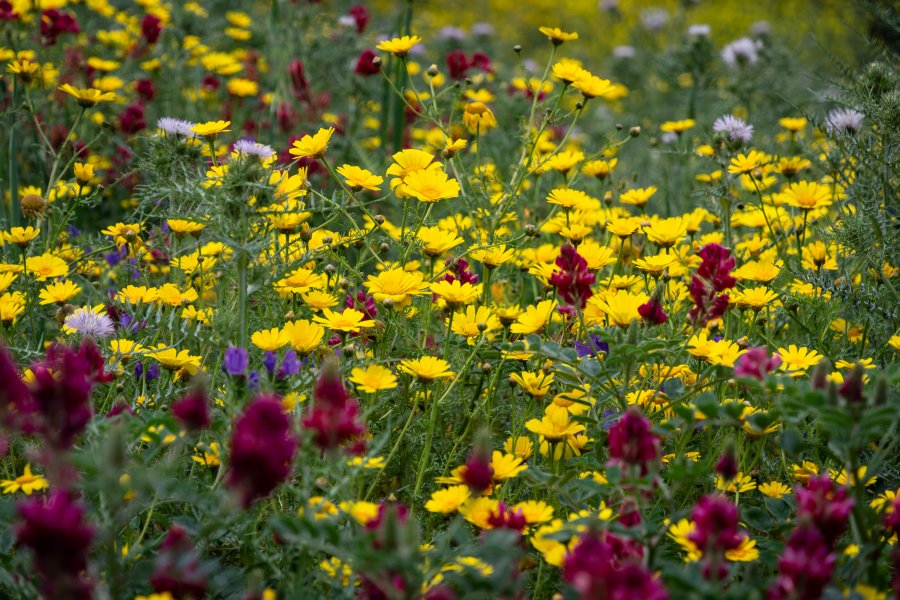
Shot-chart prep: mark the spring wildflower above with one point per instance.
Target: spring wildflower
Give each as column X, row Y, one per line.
column 427, row 368
column 27, row 483
column 312, row 146
column 373, row 378
column 399, row 46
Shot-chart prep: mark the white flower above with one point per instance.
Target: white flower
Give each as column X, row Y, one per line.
column 740, row 52
column 736, row 129
column 844, row 120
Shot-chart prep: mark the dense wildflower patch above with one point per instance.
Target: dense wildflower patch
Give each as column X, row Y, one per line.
column 294, row 305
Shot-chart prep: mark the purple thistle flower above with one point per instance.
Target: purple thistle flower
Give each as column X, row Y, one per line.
column 253, row 148
column 87, row 322
column 736, row 129
column 172, row 126
column 844, row 120
column 740, row 52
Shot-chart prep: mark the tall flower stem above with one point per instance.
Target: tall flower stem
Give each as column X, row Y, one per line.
column 429, row 439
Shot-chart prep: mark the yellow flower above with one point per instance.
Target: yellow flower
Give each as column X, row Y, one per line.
column 84, row 172
column 792, row 124
column 762, row 271
column 6, row 280
column 534, row 511
column 312, row 146
column 427, row 368
column 568, row 198
column 534, row 318
column 11, row 306
column 557, row 433
column 175, row 360
column 637, row 196
column 623, row 227
column 430, row 185
column 242, row 87
column 741, row 483
column 774, row 489
column 477, row 117
column 474, row 322
column 406, row 162
column 536, row 384
column 746, row 163
column 397, row 286
column 519, row 446
column 373, row 378
column 804, row 471
column 619, row 309
column 806, row 195
column 24, row 68
column 59, row 293
column 304, row 336
column 46, row 266
column 478, row 511
column 208, row 457
column 363, row 512
column 26, row 482
column 493, row 256
column 357, row 178
column 180, row 226
column 754, row 298
column 436, row 241
column 399, row 46
column 677, row 127
column 448, row 500
column 665, row 233
column 557, row 35
column 317, row 299
column 270, row 340
column 350, row 320
column 797, row 360
column 20, row 236
column 506, row 466
column 456, row 293
column 88, row 97
column 594, row 87
column 211, row 129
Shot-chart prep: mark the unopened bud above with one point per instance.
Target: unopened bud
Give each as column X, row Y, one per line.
column 384, row 247
column 487, row 367
column 379, row 219
column 330, row 269
column 517, row 48
column 432, row 70
column 376, row 61
column 530, row 230
column 634, row 131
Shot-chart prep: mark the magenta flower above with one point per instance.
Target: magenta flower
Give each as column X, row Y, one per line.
column 54, row 529
column 756, row 363
column 333, row 419
column 713, row 276
column 177, row 570
column 193, row 410
column 573, row 280
column 632, row 442
column 262, row 449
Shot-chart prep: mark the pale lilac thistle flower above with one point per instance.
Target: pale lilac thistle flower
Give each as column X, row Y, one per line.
column 844, row 120
column 699, row 30
column 482, row 29
column 448, row 32
column 736, row 129
column 171, row 126
column 655, row 19
column 253, row 148
column 87, row 322
column 624, row 52
column 740, row 52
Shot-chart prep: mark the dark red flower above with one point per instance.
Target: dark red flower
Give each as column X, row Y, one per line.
column 55, row 530
column 177, row 570
column 595, row 571
column 478, row 472
column 506, row 518
column 756, row 363
column 573, row 280
column 365, row 64
column 333, row 419
column 632, row 442
column 132, row 119
column 457, row 64
column 145, row 89
column 56, row 22
column 360, row 17
column 193, row 410
column 713, row 276
column 262, row 449
column 652, row 312
column 15, row 400
column 151, row 28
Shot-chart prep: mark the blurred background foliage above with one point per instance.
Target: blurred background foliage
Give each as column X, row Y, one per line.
column 818, row 31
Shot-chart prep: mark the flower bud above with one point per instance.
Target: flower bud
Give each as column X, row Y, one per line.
column 634, row 131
